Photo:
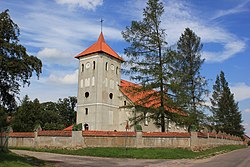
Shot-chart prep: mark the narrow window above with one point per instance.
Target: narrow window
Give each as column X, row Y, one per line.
column 86, row 111
column 93, row 64
column 146, row 119
column 86, row 94
column 116, row 71
column 82, row 67
column 111, row 95
column 106, row 67
column 125, row 103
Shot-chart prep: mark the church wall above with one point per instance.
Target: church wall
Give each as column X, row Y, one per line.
column 67, row 139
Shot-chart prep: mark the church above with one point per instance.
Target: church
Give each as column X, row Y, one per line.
column 102, row 97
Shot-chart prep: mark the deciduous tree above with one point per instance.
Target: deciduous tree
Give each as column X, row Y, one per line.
column 16, row 66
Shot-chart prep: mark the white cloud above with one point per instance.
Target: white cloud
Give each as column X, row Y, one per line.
column 66, row 79
column 247, row 110
column 51, row 53
column 242, row 7
column 241, row 91
column 86, row 4
column 52, row 56
column 181, row 14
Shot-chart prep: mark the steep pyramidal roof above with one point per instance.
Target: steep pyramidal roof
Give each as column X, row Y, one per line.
column 100, row 46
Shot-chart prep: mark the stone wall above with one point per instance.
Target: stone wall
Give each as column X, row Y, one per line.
column 77, row 139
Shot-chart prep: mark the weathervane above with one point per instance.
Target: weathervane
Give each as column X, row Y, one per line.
column 101, row 23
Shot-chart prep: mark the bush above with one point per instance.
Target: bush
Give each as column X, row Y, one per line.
column 77, row 127
column 138, row 128
column 248, row 143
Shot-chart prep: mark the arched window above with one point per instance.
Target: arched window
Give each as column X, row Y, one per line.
column 106, row 66
column 93, row 64
column 116, row 71
column 111, row 95
column 82, row 67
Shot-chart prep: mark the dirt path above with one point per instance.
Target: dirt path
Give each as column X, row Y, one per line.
column 77, row 161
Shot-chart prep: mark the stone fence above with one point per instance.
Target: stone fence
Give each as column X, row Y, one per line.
column 82, row 139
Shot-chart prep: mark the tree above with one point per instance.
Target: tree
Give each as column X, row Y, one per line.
column 27, row 116
column 226, row 114
column 66, row 107
column 16, row 66
column 188, row 86
column 148, row 59
column 50, row 117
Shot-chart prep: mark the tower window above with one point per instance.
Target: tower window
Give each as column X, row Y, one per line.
column 86, row 94
column 111, row 95
column 116, row 70
column 86, row 111
column 93, row 64
column 106, row 66
column 82, row 67
column 125, row 103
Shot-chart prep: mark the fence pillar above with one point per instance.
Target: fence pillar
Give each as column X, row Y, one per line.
column 139, row 140
column 77, row 139
column 194, row 143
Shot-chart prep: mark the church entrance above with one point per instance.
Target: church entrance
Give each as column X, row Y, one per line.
column 86, row 127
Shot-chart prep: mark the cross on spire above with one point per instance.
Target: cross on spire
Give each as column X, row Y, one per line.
column 101, row 23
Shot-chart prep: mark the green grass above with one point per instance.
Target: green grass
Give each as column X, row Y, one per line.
column 8, row 159
column 142, row 153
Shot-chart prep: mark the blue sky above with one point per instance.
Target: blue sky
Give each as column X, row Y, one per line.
column 57, row 30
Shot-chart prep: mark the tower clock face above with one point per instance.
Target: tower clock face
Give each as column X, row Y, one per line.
column 87, row 65
column 112, row 67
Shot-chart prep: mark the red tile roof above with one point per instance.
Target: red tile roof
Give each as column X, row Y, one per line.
column 100, row 46
column 108, row 133
column 55, row 133
column 166, row 134
column 140, row 98
column 69, row 128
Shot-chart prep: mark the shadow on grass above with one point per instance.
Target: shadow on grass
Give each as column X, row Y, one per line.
column 10, row 159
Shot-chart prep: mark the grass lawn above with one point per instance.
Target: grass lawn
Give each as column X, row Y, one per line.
column 142, row 153
column 8, row 159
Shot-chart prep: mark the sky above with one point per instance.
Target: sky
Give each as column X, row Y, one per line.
column 57, row 30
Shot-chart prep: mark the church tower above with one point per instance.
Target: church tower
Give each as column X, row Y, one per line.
column 98, row 87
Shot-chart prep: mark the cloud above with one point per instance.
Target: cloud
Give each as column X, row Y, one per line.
column 242, row 7
column 85, row 4
column 179, row 15
column 51, row 53
column 241, row 91
column 52, row 56
column 247, row 110
column 67, row 79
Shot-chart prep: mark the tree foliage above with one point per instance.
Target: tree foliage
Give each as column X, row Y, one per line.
column 188, row 86
column 148, row 59
column 49, row 115
column 16, row 66
column 226, row 114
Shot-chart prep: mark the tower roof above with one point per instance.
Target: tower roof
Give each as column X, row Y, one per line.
column 100, row 46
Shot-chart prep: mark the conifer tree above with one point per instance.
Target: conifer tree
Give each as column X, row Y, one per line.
column 188, row 86
column 226, row 114
column 148, row 59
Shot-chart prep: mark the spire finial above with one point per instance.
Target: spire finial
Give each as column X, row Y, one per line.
column 101, row 23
